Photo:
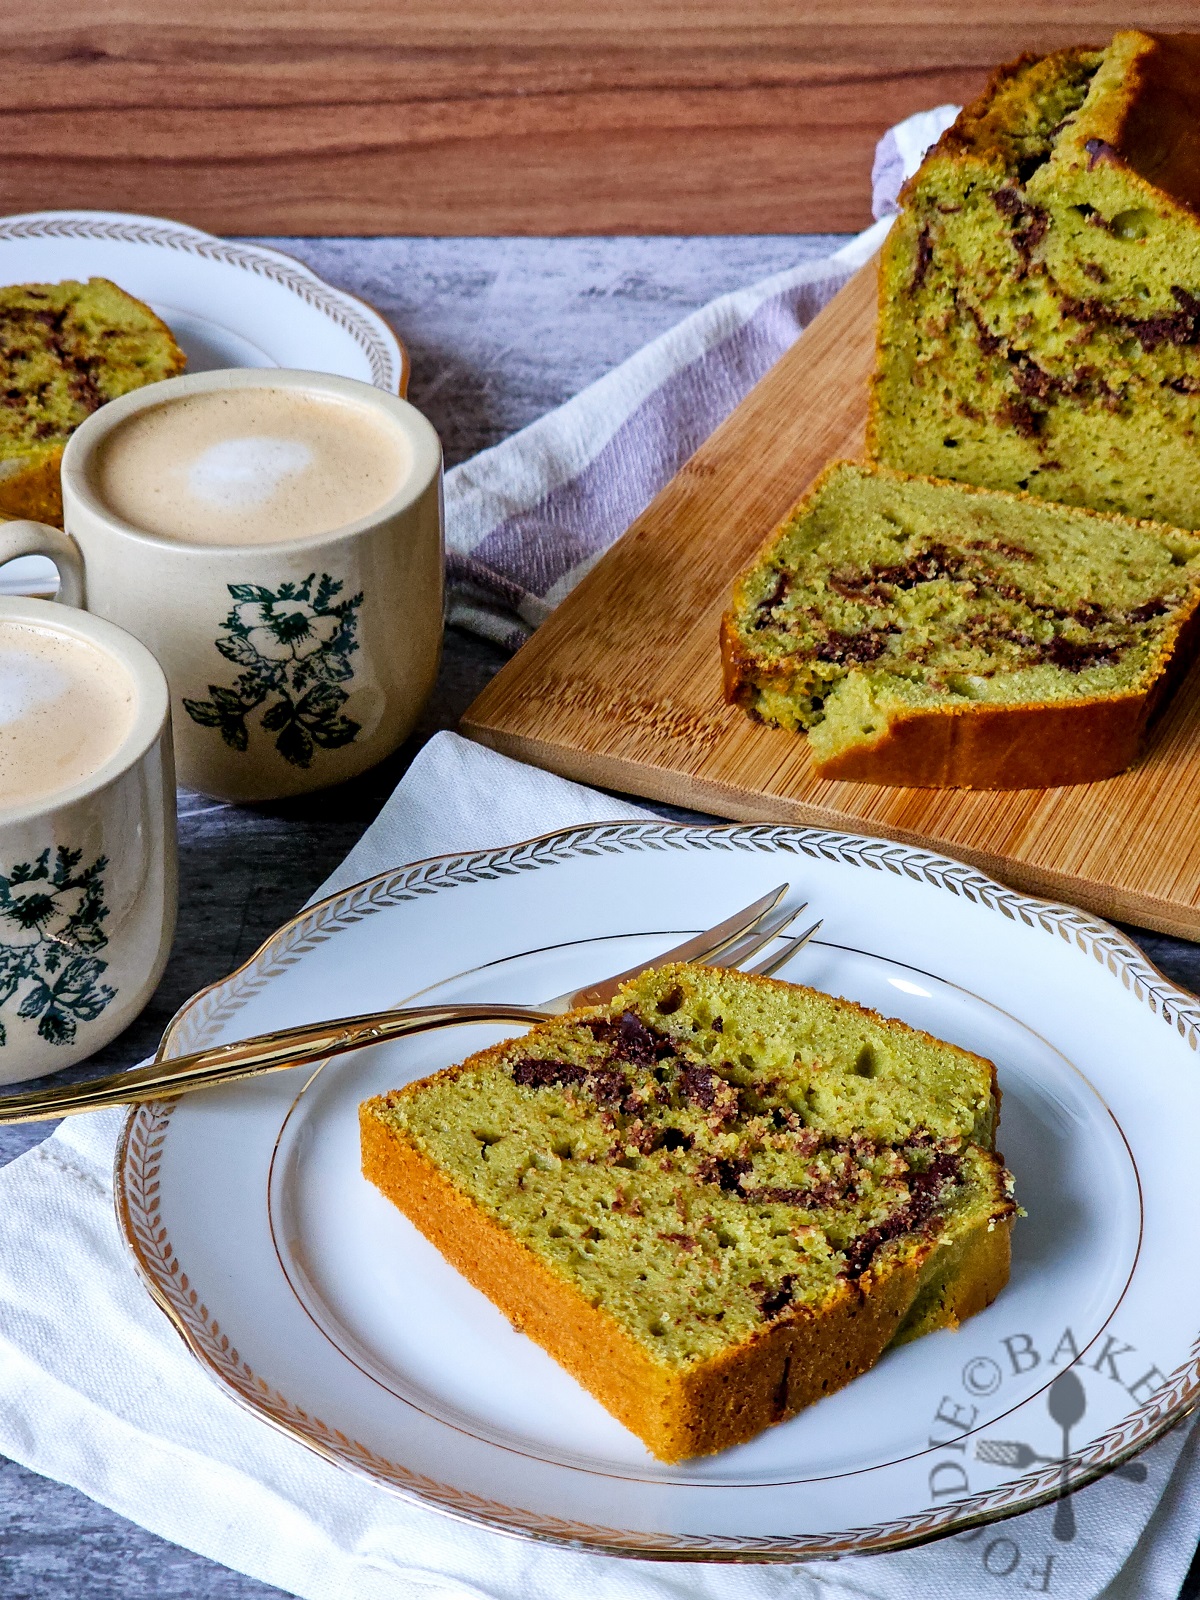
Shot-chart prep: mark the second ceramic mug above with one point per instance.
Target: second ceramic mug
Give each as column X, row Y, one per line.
column 88, row 882
column 292, row 664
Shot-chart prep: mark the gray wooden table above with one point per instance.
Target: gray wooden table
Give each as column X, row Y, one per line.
column 500, row 331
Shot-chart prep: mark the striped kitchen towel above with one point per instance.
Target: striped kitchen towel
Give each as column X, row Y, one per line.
column 528, row 518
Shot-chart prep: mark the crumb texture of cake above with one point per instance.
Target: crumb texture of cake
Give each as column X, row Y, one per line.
column 713, row 1201
column 929, row 633
column 66, row 348
column 1040, row 291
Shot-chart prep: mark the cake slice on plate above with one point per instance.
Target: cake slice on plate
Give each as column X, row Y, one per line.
column 66, row 348
column 1040, row 291
column 714, row 1200
column 927, row 633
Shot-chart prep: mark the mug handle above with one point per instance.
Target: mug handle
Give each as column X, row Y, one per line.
column 40, row 539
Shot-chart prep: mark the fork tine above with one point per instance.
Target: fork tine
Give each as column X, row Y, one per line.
column 741, row 924
column 701, row 947
column 751, row 943
column 773, row 963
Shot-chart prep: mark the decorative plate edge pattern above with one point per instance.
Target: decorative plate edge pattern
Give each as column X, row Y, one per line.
column 387, row 366
column 137, row 1189
column 319, row 922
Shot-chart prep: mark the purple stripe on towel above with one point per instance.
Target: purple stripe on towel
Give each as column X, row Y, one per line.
column 536, row 548
column 465, row 570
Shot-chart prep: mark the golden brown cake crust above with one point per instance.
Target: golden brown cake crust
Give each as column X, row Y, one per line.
column 713, row 1404
column 1154, row 123
column 1151, row 125
column 1000, row 747
column 34, row 490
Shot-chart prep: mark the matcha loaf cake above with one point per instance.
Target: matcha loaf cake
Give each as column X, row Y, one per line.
column 928, row 633
column 1040, row 292
column 66, row 348
column 714, row 1200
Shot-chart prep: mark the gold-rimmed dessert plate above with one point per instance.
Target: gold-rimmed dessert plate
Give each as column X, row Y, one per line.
column 317, row 1305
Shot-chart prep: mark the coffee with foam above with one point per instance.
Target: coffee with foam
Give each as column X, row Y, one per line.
column 65, row 708
column 249, row 466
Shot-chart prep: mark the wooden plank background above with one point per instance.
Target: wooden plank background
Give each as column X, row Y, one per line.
column 485, row 117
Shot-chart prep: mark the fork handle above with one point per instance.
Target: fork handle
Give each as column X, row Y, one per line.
column 168, row 1076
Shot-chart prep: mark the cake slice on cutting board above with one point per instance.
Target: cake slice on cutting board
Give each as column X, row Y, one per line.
column 926, row 633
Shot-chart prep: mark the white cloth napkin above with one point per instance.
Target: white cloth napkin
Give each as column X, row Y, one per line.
column 96, row 1389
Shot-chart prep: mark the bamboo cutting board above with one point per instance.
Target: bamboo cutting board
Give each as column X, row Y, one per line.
column 622, row 686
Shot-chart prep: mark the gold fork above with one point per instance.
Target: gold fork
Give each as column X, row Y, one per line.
column 729, row 944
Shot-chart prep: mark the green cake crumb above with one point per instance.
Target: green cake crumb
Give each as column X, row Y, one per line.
column 66, row 348
column 1040, row 291
column 712, row 1151
column 885, row 593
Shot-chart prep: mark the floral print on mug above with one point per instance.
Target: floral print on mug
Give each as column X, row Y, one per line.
column 294, row 646
column 51, row 916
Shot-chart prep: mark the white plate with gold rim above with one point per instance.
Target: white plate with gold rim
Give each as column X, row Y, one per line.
column 316, row 1304
column 229, row 304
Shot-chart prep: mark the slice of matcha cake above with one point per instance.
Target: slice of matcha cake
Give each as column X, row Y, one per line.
column 713, row 1201
column 1040, row 291
column 66, row 348
column 929, row 633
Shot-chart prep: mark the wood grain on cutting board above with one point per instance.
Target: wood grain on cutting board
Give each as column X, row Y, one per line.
column 622, row 686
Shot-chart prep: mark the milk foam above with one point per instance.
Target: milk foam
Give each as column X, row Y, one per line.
column 28, row 682
column 246, row 472
column 65, row 709
column 249, row 466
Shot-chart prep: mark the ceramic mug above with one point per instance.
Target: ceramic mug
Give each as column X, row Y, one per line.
column 295, row 664
column 88, row 883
